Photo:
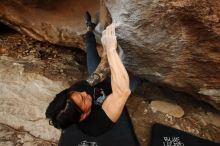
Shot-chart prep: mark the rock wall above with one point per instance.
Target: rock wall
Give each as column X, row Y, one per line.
column 173, row 43
column 24, row 99
column 58, row 22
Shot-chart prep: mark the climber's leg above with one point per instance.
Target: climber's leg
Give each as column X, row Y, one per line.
column 93, row 58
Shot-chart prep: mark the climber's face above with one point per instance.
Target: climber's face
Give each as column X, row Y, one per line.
column 83, row 101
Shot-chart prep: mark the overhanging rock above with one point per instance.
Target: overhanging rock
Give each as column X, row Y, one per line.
column 174, row 43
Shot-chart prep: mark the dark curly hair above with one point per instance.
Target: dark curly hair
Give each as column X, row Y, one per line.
column 62, row 112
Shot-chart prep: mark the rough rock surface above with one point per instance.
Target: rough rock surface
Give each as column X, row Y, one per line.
column 11, row 137
column 58, row 22
column 24, row 99
column 167, row 108
column 173, row 43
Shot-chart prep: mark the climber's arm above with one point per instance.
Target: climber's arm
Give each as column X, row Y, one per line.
column 114, row 103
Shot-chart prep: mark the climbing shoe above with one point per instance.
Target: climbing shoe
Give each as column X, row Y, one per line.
column 88, row 20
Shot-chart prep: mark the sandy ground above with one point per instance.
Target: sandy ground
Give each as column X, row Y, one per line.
column 68, row 65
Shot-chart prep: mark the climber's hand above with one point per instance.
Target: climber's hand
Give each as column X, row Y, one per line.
column 108, row 39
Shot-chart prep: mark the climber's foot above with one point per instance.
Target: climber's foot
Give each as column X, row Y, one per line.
column 90, row 26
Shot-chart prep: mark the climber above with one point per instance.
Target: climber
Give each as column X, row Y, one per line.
column 95, row 109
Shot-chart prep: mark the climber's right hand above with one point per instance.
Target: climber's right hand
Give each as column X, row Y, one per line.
column 108, row 39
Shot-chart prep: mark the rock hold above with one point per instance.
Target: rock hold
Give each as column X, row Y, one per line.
column 167, row 108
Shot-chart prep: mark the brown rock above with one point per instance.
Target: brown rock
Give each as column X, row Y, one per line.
column 167, row 108
column 10, row 137
column 2, row 50
column 58, row 22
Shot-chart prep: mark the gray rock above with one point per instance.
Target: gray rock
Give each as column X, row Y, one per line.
column 167, row 108
column 24, row 98
column 172, row 43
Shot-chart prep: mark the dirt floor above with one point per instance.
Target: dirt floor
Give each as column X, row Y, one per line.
column 61, row 63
